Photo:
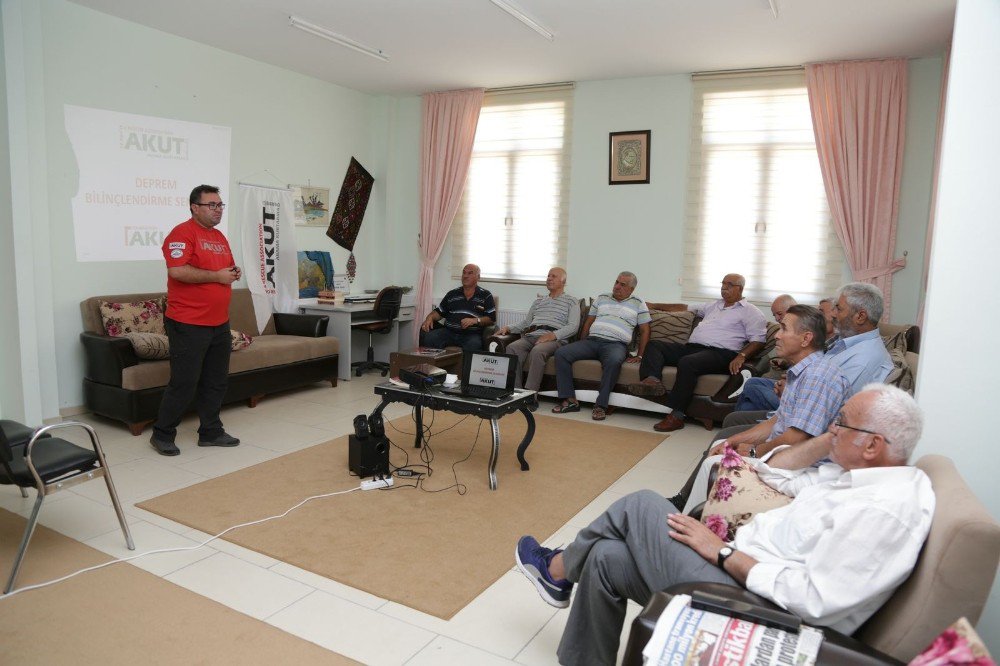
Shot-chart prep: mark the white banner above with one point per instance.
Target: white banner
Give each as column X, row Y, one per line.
column 270, row 261
column 136, row 173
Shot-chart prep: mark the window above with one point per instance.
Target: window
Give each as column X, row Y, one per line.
column 512, row 221
column 756, row 202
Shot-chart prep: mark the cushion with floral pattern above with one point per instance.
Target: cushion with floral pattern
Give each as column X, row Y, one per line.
column 240, row 340
column 136, row 317
column 737, row 496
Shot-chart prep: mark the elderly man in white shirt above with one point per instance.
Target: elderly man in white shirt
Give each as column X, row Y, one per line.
column 833, row 556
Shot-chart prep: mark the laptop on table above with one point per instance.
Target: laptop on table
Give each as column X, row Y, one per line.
column 486, row 375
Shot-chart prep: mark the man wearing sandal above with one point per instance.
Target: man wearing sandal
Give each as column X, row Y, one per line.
column 606, row 335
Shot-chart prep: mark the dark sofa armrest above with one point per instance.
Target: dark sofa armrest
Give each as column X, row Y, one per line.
column 107, row 357
column 503, row 341
column 306, row 325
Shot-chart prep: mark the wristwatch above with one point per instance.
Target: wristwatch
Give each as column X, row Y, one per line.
column 724, row 554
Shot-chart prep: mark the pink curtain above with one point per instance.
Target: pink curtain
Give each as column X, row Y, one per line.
column 450, row 120
column 859, row 118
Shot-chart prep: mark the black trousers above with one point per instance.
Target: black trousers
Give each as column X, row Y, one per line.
column 691, row 361
column 199, row 372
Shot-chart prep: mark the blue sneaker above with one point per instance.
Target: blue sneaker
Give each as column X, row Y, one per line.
column 533, row 561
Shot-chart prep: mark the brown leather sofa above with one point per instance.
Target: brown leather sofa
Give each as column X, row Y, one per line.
column 673, row 323
column 293, row 350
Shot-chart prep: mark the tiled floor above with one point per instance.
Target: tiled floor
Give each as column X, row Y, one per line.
column 506, row 624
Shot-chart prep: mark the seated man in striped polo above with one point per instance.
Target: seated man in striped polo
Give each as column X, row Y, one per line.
column 606, row 335
column 550, row 322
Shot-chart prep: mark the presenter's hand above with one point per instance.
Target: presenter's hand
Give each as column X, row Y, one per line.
column 427, row 325
column 470, row 321
column 546, row 337
column 239, row 273
column 227, row 275
column 503, row 330
column 692, row 532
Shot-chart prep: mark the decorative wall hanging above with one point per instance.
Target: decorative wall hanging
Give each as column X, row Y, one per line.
column 628, row 154
column 312, row 205
column 350, row 210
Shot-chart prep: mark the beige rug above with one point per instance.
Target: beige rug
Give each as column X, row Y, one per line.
column 434, row 552
column 124, row 615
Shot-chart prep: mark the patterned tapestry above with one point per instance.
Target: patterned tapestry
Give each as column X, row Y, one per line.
column 350, row 210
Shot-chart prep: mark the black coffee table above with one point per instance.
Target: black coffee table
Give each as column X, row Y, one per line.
column 485, row 409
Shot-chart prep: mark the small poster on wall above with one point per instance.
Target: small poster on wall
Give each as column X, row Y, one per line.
column 628, row 155
column 312, row 205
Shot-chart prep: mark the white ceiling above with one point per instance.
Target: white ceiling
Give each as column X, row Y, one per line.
column 448, row 44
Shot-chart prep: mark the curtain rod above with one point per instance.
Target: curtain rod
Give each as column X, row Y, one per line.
column 567, row 84
column 750, row 70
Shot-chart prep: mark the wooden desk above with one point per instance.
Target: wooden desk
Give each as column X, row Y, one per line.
column 342, row 319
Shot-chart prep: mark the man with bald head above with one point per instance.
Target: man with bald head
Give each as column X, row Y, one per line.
column 758, row 392
column 731, row 330
column 833, row 555
column 551, row 320
column 465, row 312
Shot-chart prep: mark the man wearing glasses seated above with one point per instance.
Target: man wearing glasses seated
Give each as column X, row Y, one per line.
column 200, row 274
column 850, row 536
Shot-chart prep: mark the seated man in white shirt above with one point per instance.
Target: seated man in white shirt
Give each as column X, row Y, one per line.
column 833, row 556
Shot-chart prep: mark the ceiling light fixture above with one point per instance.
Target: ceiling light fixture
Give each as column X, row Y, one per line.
column 519, row 14
column 320, row 31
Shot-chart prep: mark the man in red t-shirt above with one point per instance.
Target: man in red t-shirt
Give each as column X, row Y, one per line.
column 200, row 273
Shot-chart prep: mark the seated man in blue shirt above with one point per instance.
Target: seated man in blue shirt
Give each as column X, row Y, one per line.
column 465, row 312
column 815, row 391
column 857, row 348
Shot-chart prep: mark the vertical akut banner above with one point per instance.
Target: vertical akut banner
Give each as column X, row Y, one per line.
column 270, row 259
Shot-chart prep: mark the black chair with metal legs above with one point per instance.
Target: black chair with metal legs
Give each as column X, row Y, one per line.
column 50, row 464
column 387, row 311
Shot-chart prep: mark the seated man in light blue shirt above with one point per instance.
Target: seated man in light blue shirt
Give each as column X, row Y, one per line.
column 731, row 330
column 859, row 352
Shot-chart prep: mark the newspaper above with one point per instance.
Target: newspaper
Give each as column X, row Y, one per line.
column 685, row 636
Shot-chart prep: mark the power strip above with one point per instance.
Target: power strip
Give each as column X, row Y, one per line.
column 375, row 484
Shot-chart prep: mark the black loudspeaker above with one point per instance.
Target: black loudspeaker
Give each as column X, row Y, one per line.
column 368, row 456
column 376, row 426
column 361, row 426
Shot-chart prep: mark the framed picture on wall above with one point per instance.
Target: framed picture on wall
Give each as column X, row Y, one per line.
column 628, row 154
column 312, row 205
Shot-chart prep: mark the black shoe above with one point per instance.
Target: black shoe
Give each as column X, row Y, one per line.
column 225, row 439
column 678, row 501
column 163, row 447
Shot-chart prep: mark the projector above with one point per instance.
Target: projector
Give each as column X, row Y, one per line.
column 423, row 376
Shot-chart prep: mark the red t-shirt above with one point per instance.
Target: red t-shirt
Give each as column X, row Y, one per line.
column 206, row 303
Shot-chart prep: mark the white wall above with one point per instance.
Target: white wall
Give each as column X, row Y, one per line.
column 956, row 385
column 11, row 389
column 640, row 227
column 299, row 128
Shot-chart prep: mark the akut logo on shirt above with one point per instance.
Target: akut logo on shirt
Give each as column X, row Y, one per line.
column 217, row 248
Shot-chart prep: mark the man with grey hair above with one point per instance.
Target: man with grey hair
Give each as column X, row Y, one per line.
column 731, row 331
column 833, row 555
column 606, row 334
column 859, row 352
column 780, row 305
column 551, row 320
column 826, row 307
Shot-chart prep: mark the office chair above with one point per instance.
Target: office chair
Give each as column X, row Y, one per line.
column 49, row 465
column 387, row 310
